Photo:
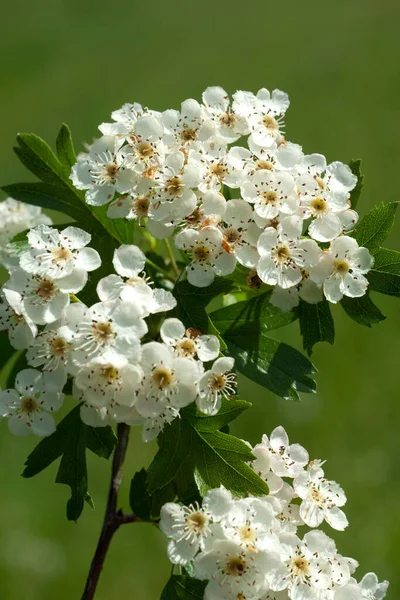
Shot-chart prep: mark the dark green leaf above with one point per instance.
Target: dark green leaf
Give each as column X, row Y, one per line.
column 316, row 324
column 194, row 444
column 375, row 227
column 39, row 158
column 182, row 587
column 385, row 274
column 139, row 498
column 192, row 301
column 70, row 441
column 355, row 166
column 362, row 310
column 271, row 363
column 65, row 150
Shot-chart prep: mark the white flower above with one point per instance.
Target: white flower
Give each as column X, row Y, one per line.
column 105, row 382
column 232, row 571
column 227, row 124
column 321, row 499
column 341, row 269
column 265, row 114
column 189, row 526
column 189, row 343
column 105, row 329
column 327, row 204
column 125, row 120
column 249, row 524
column 207, row 253
column 272, row 193
column 103, row 171
column 302, row 570
column 13, row 319
column 284, row 255
column 307, row 290
column 145, row 152
column 129, row 262
column 52, row 352
column 56, row 254
column 241, row 232
column 277, row 455
column 28, row 407
column 169, row 383
column 215, row 384
column 44, row 299
column 134, row 205
column 185, row 129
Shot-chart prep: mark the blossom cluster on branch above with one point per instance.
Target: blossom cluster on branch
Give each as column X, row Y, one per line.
column 288, row 212
column 250, row 548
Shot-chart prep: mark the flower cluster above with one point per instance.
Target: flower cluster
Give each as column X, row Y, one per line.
column 250, row 548
column 116, row 372
column 16, row 217
column 288, row 213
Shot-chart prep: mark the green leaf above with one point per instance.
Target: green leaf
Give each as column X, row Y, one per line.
column 355, row 167
column 375, row 227
column 267, row 361
column 70, row 441
column 182, row 587
column 316, row 324
column 40, row 159
column 192, row 301
column 65, row 150
column 194, row 444
column 139, row 498
column 362, row 310
column 6, row 350
column 385, row 274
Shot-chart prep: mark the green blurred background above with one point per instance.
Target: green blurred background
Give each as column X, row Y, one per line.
column 75, row 61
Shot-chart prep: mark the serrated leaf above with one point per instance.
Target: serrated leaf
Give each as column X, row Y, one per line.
column 182, row 587
column 39, row 158
column 362, row 310
column 65, row 150
column 194, row 444
column 355, row 167
column 375, row 227
column 192, row 301
column 139, row 499
column 385, row 274
column 70, row 441
column 316, row 324
column 267, row 361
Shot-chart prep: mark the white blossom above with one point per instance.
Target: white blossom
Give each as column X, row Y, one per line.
column 217, row 383
column 189, row 343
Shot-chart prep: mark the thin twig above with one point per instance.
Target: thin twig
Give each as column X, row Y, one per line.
column 172, row 258
column 113, row 518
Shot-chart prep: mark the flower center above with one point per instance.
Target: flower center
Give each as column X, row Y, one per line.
column 28, row 405
column 299, row 566
column 218, row 170
column 110, row 373
column 317, row 496
column 270, row 123
column 61, row 255
column 162, row 377
column 341, row 266
column 232, row 235
column 186, row 348
column 141, row 206
column 196, row 522
column 247, row 534
column 58, row 347
column 145, row 150
column 227, row 119
column 189, row 135
column 103, row 332
column 46, row 289
column 264, row 164
column 218, row 382
column 282, row 254
column 270, row 197
column 174, row 186
column 319, row 206
column 202, row 253
column 235, row 566
column 110, row 171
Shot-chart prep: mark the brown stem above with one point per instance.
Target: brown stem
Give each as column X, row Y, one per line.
column 113, row 518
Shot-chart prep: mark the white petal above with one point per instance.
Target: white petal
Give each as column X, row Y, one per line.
column 353, row 286
column 128, row 261
column 172, row 330
column 87, row 259
column 43, row 424
column 223, row 365
column 207, row 347
column 76, row 238
column 325, row 228
column 200, row 275
column 332, row 289
column 336, row 518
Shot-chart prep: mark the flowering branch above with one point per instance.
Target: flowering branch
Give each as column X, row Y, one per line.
column 113, row 518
